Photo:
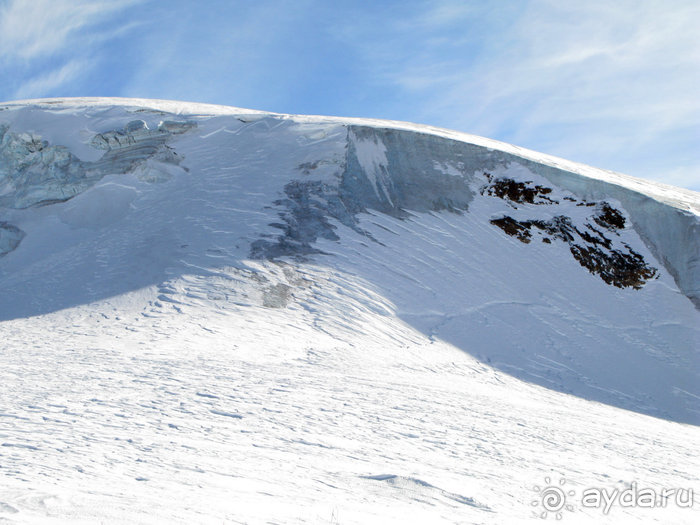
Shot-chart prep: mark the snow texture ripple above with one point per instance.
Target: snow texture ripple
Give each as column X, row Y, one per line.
column 213, row 314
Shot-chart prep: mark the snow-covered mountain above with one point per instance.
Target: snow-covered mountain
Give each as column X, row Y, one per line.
column 214, row 314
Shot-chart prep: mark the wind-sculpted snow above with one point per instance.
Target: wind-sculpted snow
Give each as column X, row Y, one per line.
column 368, row 319
column 33, row 172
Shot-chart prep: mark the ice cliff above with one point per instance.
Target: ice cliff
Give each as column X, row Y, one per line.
column 399, row 171
column 555, row 272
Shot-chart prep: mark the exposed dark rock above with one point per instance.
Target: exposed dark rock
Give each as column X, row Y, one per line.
column 609, row 217
column 519, row 192
column 590, row 247
column 614, row 266
column 519, row 230
column 597, row 238
column 559, row 227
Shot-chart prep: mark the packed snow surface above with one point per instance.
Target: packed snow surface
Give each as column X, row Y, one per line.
column 211, row 314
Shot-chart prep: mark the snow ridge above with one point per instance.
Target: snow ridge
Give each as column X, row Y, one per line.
column 335, row 320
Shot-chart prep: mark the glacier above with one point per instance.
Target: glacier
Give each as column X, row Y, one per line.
column 33, row 172
column 312, row 312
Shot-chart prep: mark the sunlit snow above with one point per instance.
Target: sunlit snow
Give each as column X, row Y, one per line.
column 213, row 314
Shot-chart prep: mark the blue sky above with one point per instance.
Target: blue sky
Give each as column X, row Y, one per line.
column 611, row 84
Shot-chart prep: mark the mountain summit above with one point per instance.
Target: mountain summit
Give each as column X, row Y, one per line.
column 301, row 292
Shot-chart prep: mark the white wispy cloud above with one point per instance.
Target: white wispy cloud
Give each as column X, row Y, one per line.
column 613, row 84
column 38, row 86
column 29, row 29
column 232, row 54
column 585, row 80
column 47, row 44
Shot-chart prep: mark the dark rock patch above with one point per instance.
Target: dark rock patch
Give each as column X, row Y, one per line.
column 518, row 192
column 609, row 217
column 558, row 227
column 614, row 266
column 589, row 246
column 519, row 230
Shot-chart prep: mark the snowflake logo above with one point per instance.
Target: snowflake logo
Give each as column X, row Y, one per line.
column 552, row 498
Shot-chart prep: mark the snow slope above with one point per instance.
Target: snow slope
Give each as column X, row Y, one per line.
column 212, row 314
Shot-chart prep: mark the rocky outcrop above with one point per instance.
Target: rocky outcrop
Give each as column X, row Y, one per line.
column 615, row 263
column 517, row 191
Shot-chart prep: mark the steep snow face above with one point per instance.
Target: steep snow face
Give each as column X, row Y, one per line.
column 671, row 232
column 385, row 170
column 418, row 173
column 332, row 319
column 670, row 227
column 545, row 274
column 395, row 172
